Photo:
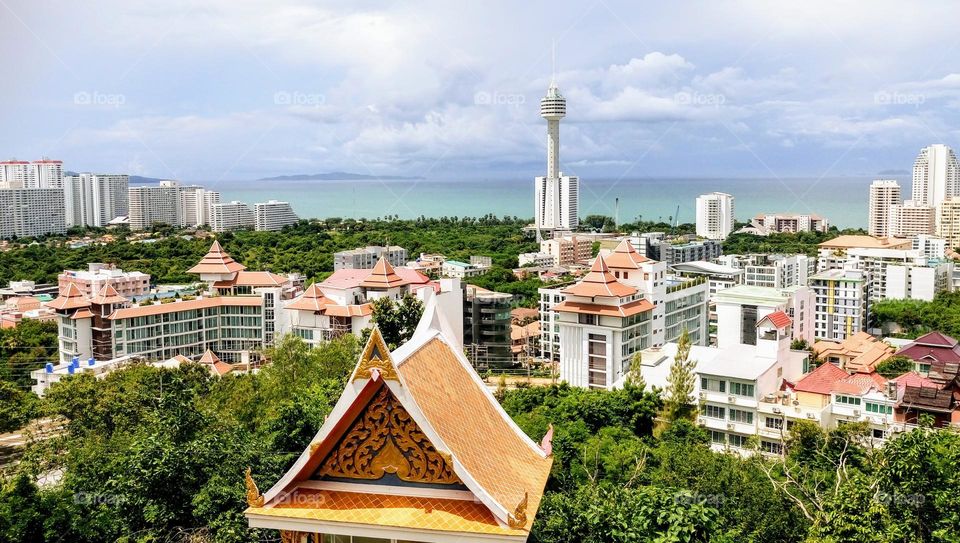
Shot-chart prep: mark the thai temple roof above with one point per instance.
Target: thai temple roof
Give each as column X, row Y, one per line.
column 416, row 448
column 217, row 261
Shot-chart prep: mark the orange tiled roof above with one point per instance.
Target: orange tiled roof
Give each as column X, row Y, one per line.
column 217, row 261
column 480, row 435
column 625, row 310
column 600, row 282
column 862, row 351
column 83, row 313
column 625, row 257
column 821, row 380
column 383, row 276
column 361, row 310
column 173, row 307
column 312, row 299
column 108, row 295
column 859, row 383
column 221, row 368
column 353, row 278
column 71, row 298
column 253, row 279
column 439, row 514
column 859, row 241
column 209, row 357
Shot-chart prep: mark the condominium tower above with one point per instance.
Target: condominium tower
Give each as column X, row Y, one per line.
column 95, row 199
column 715, row 215
column 883, row 194
column 273, row 215
column 936, row 175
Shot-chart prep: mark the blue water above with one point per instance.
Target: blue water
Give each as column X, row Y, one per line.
column 842, row 200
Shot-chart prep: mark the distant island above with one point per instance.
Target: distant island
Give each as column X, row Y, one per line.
column 338, row 176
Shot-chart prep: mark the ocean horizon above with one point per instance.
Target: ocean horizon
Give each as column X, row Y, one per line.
column 841, row 200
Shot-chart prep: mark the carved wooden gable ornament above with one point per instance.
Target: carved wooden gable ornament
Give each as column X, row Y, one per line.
column 375, row 356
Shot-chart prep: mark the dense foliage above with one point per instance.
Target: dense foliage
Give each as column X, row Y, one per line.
column 799, row 243
column 916, row 317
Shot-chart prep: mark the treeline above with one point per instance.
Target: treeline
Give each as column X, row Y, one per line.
column 917, row 317
column 799, row 243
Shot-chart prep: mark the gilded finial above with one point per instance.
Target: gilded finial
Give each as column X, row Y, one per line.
column 254, row 497
column 519, row 517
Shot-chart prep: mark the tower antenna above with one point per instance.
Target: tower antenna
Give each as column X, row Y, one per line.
column 553, row 63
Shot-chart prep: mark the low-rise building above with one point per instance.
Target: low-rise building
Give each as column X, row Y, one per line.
column 740, row 308
column 772, row 271
column 859, row 353
column 789, row 223
column 535, row 259
column 460, row 270
column 98, row 275
column 487, row 327
column 568, row 250
column 365, row 258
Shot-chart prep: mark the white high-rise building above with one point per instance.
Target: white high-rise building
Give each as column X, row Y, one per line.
column 46, row 174
column 155, row 205
column 231, row 216
column 911, row 219
column 715, row 215
column 31, row 212
column 883, row 194
column 197, row 205
column 273, row 215
column 95, row 199
column 15, row 174
column 936, row 175
column 557, row 195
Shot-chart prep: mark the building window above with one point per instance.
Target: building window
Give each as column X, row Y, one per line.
column 718, row 437
column 773, row 423
column 847, row 400
column 588, row 319
column 741, row 389
column 741, row 416
column 737, row 440
column 713, row 385
column 878, row 408
column 714, row 412
column 771, row 447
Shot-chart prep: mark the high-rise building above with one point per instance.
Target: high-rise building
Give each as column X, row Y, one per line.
column 95, row 199
column 557, row 195
column 231, row 216
column 196, row 205
column 715, row 215
column 883, row 194
column 365, row 258
column 936, row 175
column 150, row 205
column 842, row 303
column 31, row 212
column 15, row 174
column 948, row 222
column 911, row 219
column 273, row 215
column 46, row 174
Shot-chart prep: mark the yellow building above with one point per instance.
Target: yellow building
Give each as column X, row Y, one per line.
column 416, row 450
column 948, row 221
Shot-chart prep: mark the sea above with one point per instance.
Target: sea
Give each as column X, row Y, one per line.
column 841, row 200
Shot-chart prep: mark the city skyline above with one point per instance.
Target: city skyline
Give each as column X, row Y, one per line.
column 231, row 92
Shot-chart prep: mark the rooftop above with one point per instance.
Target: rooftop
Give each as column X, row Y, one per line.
column 856, row 241
column 752, row 295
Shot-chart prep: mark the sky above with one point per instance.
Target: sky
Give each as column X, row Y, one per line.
column 234, row 90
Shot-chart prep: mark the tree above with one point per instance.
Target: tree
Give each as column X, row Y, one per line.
column 397, row 321
column 678, row 399
column 16, row 407
column 895, row 366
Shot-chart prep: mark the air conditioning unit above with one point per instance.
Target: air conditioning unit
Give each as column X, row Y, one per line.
column 731, row 399
column 701, row 421
column 811, row 416
column 703, row 395
column 730, row 426
column 796, row 402
column 777, row 410
column 856, row 412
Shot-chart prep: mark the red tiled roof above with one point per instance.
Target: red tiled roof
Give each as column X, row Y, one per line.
column 361, row 310
column 600, row 282
column 625, row 310
column 938, row 339
column 311, row 300
column 859, row 383
column 209, row 357
column 821, row 380
column 778, row 319
column 382, row 276
column 353, row 278
column 83, row 313
column 71, row 298
column 108, row 295
column 217, row 261
column 253, row 279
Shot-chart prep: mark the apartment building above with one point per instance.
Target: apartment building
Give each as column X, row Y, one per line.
column 535, row 259
column 196, row 205
column 365, row 258
column 772, row 271
column 911, row 219
column 948, row 222
column 842, row 303
column 656, row 246
column 39, row 174
column 487, row 324
column 26, row 213
column 789, row 223
column 715, row 216
column 273, row 215
column 883, row 194
column 932, row 247
column 625, row 304
column 97, row 275
column 568, row 250
column 740, row 308
column 153, row 205
column 231, row 216
column 95, row 199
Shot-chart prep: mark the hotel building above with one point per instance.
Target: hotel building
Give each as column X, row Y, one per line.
column 715, row 215
column 231, row 216
column 273, row 215
column 883, row 194
column 95, row 199
column 27, row 213
column 842, row 303
column 365, row 258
